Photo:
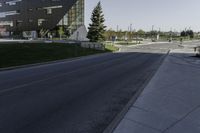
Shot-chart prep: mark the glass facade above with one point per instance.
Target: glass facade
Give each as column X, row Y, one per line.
column 17, row 16
column 74, row 17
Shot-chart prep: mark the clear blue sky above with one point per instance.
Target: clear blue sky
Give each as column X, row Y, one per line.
column 142, row 14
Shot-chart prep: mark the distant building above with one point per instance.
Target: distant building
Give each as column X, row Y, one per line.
column 32, row 18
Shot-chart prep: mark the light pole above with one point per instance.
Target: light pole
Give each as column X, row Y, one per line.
column 152, row 32
column 170, row 34
column 152, row 27
column 117, row 33
column 117, row 28
column 130, row 27
column 131, row 32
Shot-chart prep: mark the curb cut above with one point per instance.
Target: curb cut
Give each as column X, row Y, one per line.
column 115, row 122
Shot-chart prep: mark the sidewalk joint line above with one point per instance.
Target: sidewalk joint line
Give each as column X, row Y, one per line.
column 140, row 108
column 186, row 115
column 142, row 124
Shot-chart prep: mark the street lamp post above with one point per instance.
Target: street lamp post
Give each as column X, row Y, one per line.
column 152, row 32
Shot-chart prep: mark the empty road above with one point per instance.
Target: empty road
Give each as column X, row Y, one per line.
column 78, row 96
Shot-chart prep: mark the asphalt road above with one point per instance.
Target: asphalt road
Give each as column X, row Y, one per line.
column 79, row 96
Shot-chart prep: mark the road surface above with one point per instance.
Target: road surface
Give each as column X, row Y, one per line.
column 79, row 96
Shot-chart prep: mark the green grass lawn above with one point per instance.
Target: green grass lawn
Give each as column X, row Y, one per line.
column 21, row 54
column 111, row 47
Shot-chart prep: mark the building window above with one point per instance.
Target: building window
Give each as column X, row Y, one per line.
column 6, row 23
column 13, row 2
column 30, row 20
column 49, row 11
column 19, row 23
column 9, row 13
column 40, row 21
column 30, row 9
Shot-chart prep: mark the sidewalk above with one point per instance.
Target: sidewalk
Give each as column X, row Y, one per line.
column 170, row 103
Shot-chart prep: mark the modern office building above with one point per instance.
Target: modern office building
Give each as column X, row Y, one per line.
column 40, row 17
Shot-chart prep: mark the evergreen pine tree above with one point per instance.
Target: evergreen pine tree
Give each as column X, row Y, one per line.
column 97, row 28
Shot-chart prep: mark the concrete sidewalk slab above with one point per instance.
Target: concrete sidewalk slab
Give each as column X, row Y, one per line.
column 170, row 103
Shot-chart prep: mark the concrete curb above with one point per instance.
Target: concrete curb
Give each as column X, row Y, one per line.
column 121, row 115
column 145, row 44
column 52, row 62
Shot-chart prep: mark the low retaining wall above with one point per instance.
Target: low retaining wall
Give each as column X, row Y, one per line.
column 93, row 45
column 197, row 50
